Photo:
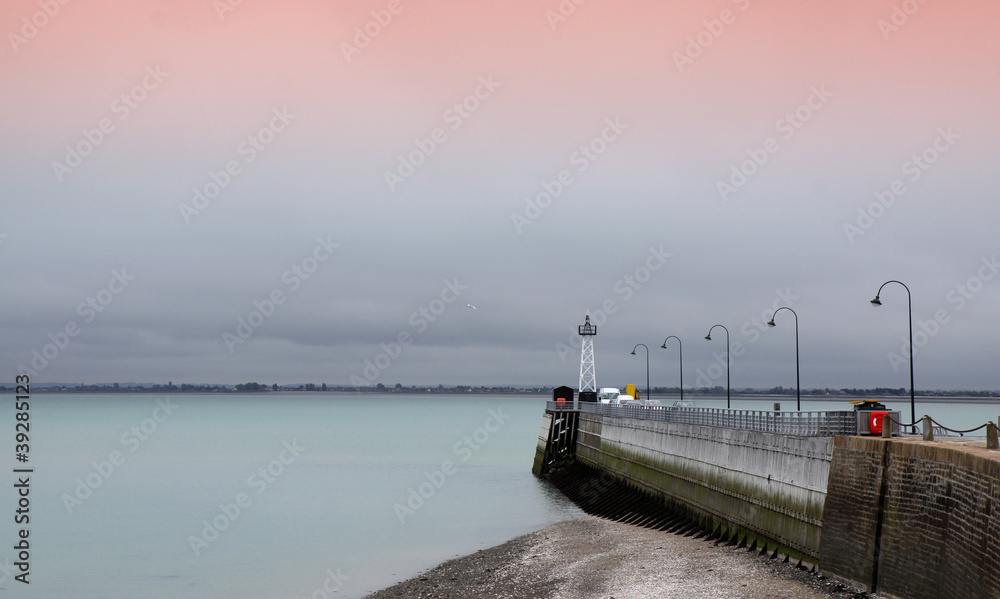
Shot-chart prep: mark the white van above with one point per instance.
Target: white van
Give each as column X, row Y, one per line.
column 608, row 395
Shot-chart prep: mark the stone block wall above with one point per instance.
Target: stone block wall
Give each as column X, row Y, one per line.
column 913, row 519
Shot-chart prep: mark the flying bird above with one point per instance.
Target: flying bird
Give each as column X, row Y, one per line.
column 471, row 306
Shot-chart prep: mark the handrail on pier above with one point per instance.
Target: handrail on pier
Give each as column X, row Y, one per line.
column 811, row 424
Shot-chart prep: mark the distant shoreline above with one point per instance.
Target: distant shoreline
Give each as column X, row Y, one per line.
column 161, row 391
column 535, row 393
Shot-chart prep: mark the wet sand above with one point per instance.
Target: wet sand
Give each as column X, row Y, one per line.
column 593, row 558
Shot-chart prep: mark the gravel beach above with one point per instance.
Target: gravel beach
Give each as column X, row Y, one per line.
column 597, row 558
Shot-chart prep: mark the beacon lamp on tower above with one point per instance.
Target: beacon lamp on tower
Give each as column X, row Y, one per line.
column 588, row 374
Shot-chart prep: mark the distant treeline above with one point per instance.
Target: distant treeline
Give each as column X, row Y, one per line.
column 253, row 387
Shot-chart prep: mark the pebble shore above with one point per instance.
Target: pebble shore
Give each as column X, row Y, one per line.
column 594, row 558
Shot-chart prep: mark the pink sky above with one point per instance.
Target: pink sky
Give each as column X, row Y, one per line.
column 889, row 94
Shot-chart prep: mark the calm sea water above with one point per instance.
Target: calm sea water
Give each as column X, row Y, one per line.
column 322, row 485
column 285, row 494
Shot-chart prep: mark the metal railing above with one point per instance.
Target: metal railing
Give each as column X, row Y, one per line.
column 806, row 424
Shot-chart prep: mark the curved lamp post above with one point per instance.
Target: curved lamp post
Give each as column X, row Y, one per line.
column 709, row 337
column 909, row 300
column 798, row 386
column 680, row 350
column 647, row 367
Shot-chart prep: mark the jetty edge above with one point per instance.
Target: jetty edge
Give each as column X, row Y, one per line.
column 896, row 515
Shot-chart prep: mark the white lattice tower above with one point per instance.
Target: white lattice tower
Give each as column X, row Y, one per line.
column 588, row 372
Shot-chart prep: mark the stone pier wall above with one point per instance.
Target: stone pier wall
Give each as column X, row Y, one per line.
column 543, row 440
column 901, row 517
column 766, row 487
column 913, row 519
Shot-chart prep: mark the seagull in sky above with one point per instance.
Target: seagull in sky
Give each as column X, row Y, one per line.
column 471, row 306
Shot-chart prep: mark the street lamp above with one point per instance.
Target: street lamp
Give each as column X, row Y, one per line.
column 909, row 300
column 680, row 350
column 798, row 386
column 647, row 368
column 709, row 337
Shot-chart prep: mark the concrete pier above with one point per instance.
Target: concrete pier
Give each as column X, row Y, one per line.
column 899, row 516
column 764, row 487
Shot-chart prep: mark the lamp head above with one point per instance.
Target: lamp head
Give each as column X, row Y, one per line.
column 876, row 302
column 633, row 352
column 708, row 336
column 770, row 323
column 664, row 346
